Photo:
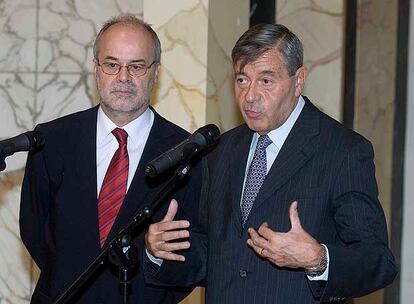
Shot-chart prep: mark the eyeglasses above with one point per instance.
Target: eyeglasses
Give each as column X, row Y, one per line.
column 134, row 69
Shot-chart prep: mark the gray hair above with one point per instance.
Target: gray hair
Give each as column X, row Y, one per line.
column 131, row 20
column 263, row 37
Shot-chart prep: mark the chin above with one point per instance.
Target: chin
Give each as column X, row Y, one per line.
column 254, row 127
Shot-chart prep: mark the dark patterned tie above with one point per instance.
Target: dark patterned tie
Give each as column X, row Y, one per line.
column 255, row 176
column 114, row 186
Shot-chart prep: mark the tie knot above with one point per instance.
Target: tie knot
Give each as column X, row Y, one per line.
column 120, row 135
column 263, row 142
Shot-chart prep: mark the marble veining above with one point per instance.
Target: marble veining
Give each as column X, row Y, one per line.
column 45, row 73
column 319, row 24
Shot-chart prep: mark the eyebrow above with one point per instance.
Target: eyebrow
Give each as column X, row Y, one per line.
column 131, row 61
column 265, row 72
column 268, row 72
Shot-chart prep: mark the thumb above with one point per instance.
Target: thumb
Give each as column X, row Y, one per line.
column 294, row 216
column 171, row 212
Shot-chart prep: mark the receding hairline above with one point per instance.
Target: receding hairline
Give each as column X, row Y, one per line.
column 135, row 27
column 133, row 22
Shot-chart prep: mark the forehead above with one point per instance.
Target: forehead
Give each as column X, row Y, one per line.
column 269, row 61
column 126, row 42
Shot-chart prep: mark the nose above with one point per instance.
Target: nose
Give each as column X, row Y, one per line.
column 123, row 75
column 251, row 94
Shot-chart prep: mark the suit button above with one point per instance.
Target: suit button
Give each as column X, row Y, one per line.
column 243, row 273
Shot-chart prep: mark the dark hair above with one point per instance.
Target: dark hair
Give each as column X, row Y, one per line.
column 264, row 37
column 133, row 21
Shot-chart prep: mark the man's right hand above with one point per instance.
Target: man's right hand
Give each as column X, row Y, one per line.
column 161, row 238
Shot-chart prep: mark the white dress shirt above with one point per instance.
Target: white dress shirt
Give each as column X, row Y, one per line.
column 106, row 144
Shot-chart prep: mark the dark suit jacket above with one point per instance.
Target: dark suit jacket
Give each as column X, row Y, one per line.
column 329, row 170
column 58, row 213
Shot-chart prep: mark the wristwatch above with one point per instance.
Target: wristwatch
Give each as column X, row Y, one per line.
column 320, row 269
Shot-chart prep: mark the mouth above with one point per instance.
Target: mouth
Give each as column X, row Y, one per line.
column 252, row 114
column 122, row 92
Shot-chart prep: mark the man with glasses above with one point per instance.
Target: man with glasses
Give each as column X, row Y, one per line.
column 88, row 181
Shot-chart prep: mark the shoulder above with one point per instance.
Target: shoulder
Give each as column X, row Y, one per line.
column 334, row 135
column 232, row 141
column 166, row 125
column 68, row 122
column 234, row 135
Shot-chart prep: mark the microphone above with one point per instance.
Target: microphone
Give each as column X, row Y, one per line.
column 201, row 139
column 28, row 141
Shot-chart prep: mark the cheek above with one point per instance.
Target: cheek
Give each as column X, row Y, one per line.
column 273, row 102
column 238, row 94
column 146, row 82
column 276, row 95
column 102, row 83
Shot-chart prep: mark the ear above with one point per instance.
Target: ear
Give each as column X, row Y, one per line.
column 95, row 66
column 300, row 78
column 156, row 71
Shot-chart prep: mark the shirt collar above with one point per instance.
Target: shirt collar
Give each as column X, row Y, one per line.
column 105, row 126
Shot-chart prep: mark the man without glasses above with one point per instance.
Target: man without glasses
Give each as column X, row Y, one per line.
column 291, row 210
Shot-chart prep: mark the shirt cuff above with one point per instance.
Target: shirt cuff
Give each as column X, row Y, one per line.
column 323, row 276
column 158, row 261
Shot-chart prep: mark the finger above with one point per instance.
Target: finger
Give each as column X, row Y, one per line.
column 171, row 247
column 170, row 256
column 168, row 226
column 259, row 250
column 294, row 216
column 172, row 211
column 265, row 232
column 257, row 240
column 256, row 248
column 153, row 239
column 174, row 235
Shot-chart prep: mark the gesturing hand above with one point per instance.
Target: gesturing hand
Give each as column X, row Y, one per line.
column 294, row 249
column 159, row 236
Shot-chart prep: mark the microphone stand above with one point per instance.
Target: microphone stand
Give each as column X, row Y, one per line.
column 120, row 249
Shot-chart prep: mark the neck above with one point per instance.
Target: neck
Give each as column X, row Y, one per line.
column 122, row 118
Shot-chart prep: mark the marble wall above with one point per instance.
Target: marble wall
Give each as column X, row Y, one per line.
column 319, row 25
column 196, row 82
column 221, row 108
column 183, row 31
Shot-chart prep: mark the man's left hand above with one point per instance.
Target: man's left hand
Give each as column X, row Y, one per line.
column 294, row 249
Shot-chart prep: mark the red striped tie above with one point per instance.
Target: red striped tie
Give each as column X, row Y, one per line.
column 114, row 186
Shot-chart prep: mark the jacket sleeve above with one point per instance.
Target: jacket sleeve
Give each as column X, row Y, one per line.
column 360, row 260
column 192, row 272
column 34, row 205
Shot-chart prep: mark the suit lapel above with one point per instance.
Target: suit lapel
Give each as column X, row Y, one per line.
column 296, row 151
